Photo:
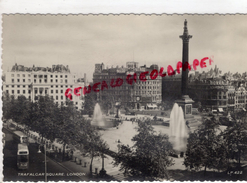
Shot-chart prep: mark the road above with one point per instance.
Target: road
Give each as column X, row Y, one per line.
column 36, row 165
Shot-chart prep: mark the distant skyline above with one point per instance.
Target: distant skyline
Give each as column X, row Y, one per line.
column 82, row 41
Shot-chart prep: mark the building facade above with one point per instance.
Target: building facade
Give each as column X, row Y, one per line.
column 212, row 93
column 33, row 82
column 136, row 95
column 241, row 97
column 212, row 89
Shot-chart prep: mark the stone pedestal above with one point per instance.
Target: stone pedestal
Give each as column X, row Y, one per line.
column 186, row 103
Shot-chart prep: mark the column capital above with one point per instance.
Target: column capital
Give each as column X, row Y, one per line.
column 185, row 37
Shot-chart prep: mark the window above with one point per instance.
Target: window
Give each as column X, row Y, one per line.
column 56, row 91
column 7, row 86
column 24, row 86
column 51, row 80
column 18, row 86
column 61, row 76
column 61, row 91
column 56, row 80
column 18, row 80
column 45, row 76
column 18, row 75
column 61, row 97
column 29, row 91
column 29, row 75
column 66, row 86
column 61, row 86
column 13, row 91
column 56, row 76
column 40, row 80
column 13, row 80
column 36, row 91
column 66, row 81
column 23, row 80
column 34, row 80
column 40, row 76
column 29, row 80
column 18, row 91
column 51, row 76
column 12, row 75
column 7, row 91
column 45, row 80
column 56, row 97
column 23, row 75
column 66, row 76
column 24, row 91
column 56, row 86
column 51, row 91
column 35, row 76
column 61, row 80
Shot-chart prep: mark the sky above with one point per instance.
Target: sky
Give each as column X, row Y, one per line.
column 81, row 41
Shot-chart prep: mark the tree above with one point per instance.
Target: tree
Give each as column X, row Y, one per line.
column 107, row 103
column 206, row 147
column 90, row 101
column 20, row 109
column 68, row 123
column 8, row 102
column 93, row 145
column 148, row 157
column 236, row 139
column 45, row 117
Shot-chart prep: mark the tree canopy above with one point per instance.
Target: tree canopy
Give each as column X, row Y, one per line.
column 148, row 158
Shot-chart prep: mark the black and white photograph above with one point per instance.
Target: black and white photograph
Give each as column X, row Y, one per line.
column 124, row 97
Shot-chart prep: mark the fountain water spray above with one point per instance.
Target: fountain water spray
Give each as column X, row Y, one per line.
column 178, row 132
column 97, row 117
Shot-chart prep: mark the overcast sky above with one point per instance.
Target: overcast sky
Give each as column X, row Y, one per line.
column 81, row 41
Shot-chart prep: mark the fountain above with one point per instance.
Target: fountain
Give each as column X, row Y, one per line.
column 178, row 132
column 97, row 117
column 101, row 121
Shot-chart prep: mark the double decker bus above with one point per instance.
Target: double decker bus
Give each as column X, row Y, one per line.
column 22, row 156
column 20, row 137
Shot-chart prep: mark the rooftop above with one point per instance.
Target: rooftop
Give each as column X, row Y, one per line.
column 54, row 68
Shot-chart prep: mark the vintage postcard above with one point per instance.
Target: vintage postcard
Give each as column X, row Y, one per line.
column 124, row 97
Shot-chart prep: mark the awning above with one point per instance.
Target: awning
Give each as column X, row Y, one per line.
column 221, row 110
column 244, row 109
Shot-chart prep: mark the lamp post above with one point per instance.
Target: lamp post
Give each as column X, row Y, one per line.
column 117, row 105
column 102, row 172
column 45, row 161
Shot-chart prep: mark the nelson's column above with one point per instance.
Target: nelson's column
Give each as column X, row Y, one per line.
column 185, row 102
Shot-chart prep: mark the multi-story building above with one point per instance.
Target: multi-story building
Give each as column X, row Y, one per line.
column 241, row 98
column 32, row 82
column 138, row 94
column 213, row 90
column 212, row 93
